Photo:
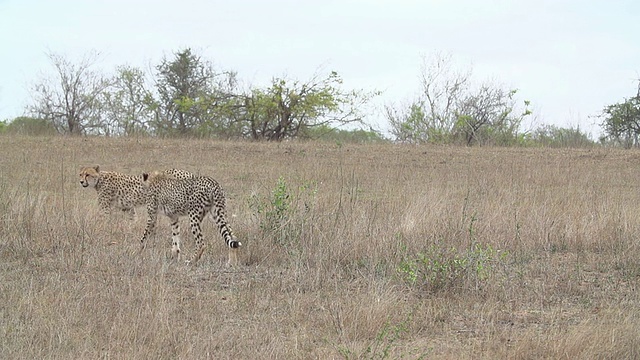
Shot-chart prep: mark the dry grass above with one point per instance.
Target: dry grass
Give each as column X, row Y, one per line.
column 391, row 252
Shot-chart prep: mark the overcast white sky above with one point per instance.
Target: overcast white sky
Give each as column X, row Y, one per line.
column 569, row 58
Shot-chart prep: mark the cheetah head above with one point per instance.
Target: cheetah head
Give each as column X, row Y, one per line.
column 89, row 176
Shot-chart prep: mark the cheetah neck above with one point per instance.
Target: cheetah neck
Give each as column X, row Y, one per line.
column 98, row 182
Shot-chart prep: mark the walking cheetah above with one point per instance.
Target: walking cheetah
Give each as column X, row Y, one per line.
column 122, row 191
column 194, row 197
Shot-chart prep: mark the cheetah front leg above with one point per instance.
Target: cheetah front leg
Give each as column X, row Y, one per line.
column 104, row 203
column 152, row 212
column 175, row 237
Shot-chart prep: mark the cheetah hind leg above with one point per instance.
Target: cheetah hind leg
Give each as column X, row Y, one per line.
column 225, row 231
column 197, row 255
column 233, row 257
column 196, row 230
column 175, row 239
column 234, row 246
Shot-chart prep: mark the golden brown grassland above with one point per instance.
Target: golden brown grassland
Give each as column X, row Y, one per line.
column 352, row 251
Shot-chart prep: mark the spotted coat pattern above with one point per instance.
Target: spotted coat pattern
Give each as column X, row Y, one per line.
column 194, row 197
column 121, row 191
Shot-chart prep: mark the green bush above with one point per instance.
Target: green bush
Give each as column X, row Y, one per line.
column 282, row 214
column 439, row 267
column 24, row 125
column 554, row 136
column 327, row 133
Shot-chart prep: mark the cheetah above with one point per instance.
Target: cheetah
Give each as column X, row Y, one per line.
column 195, row 197
column 122, row 191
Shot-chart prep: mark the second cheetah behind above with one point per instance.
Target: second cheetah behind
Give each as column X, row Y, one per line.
column 121, row 191
column 194, row 197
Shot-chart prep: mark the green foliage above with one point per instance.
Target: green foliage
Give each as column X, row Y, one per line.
column 283, row 213
column 413, row 125
column 278, row 207
column 181, row 84
column 438, row 267
column 327, row 133
column 382, row 345
column 192, row 98
column 489, row 116
column 449, row 110
column 621, row 122
column 24, row 125
column 289, row 108
column 554, row 136
column 128, row 105
column 441, row 267
column 434, row 269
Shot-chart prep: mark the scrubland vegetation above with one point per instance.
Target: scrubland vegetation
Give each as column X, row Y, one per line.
column 352, row 251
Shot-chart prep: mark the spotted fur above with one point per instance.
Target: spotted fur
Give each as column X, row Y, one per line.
column 194, row 197
column 121, row 191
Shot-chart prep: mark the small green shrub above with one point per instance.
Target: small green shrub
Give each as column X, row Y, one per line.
column 276, row 209
column 438, row 268
column 384, row 344
column 30, row 126
column 283, row 212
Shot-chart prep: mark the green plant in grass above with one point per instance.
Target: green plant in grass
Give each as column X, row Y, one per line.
column 381, row 346
column 283, row 212
column 385, row 341
column 439, row 267
column 279, row 210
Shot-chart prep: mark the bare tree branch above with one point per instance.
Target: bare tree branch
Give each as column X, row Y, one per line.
column 73, row 105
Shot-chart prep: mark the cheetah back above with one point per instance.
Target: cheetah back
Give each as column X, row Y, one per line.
column 180, row 196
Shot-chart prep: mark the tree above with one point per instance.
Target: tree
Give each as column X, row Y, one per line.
column 191, row 95
column 489, row 115
column 442, row 90
column 222, row 108
column 70, row 100
column 432, row 116
column 409, row 123
column 621, row 121
column 287, row 108
column 128, row 104
column 449, row 109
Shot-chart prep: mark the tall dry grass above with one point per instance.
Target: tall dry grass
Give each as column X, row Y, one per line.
column 369, row 251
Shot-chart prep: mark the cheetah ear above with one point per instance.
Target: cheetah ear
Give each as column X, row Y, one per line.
column 145, row 176
column 97, row 167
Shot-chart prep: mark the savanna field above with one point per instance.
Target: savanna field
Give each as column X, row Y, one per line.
column 350, row 252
